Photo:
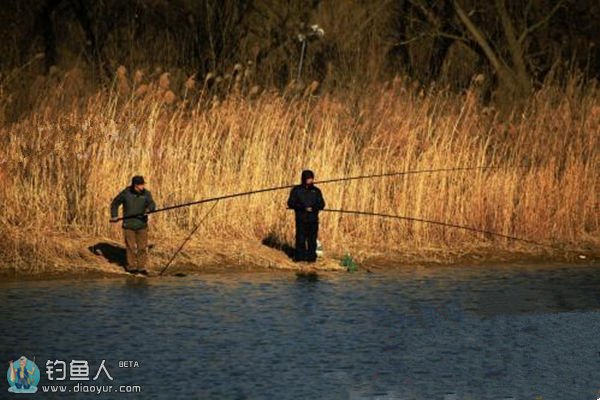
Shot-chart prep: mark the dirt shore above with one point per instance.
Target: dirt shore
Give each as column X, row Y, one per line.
column 93, row 257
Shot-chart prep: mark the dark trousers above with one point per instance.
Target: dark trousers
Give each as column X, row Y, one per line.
column 306, row 240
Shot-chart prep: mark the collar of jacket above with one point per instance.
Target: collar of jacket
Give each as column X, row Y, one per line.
column 132, row 190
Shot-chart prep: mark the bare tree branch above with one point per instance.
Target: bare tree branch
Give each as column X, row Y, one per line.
column 498, row 64
column 426, row 12
column 514, row 46
column 529, row 30
column 527, row 10
column 454, row 37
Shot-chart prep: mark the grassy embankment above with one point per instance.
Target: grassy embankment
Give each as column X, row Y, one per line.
column 64, row 160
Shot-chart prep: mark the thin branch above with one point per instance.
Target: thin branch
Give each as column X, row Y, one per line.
column 452, row 36
column 420, row 7
column 426, row 12
column 541, row 22
column 432, row 33
column 412, row 39
column 435, row 21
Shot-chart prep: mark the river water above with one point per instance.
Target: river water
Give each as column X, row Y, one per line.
column 501, row 332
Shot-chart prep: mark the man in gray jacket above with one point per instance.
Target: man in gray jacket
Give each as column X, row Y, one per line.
column 136, row 201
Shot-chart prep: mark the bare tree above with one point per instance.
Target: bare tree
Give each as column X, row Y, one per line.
column 499, row 34
column 512, row 70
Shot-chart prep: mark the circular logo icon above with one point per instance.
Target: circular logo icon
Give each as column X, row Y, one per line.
column 23, row 376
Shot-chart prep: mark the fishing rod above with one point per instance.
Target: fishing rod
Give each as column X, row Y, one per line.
column 433, row 222
column 168, row 264
column 326, row 181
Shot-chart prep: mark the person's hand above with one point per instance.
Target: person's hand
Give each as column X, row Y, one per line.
column 309, row 209
column 114, row 219
column 10, row 363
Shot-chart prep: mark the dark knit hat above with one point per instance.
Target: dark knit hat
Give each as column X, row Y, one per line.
column 137, row 180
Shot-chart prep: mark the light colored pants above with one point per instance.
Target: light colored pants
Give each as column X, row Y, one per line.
column 136, row 243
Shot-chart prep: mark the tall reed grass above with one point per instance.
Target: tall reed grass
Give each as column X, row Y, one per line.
column 63, row 162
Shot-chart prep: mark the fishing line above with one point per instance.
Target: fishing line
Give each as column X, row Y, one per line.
column 326, row 181
column 187, row 238
column 432, row 222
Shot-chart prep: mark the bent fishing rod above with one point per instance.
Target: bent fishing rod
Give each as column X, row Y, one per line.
column 326, row 181
column 444, row 224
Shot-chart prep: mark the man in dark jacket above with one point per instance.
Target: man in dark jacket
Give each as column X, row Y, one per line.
column 306, row 200
column 136, row 201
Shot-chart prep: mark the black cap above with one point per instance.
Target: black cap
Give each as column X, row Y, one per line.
column 137, row 180
column 307, row 174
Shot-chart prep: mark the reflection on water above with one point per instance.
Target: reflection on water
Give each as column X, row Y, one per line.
column 434, row 333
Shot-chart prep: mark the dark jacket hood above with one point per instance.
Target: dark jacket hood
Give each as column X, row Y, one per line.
column 306, row 175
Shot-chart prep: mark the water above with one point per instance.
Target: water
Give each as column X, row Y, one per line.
column 429, row 333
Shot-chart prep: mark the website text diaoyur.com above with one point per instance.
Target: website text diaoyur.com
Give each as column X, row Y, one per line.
column 94, row 389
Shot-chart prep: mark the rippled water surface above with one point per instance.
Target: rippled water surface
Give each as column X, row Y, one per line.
column 515, row 332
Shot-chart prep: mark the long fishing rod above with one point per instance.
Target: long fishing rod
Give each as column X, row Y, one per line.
column 433, row 222
column 168, row 264
column 326, row 181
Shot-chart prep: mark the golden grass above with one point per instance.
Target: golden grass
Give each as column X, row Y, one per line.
column 62, row 164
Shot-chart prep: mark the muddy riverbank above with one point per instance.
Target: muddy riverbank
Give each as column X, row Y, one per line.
column 80, row 257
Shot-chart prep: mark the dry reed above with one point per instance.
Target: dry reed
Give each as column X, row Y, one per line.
column 63, row 163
